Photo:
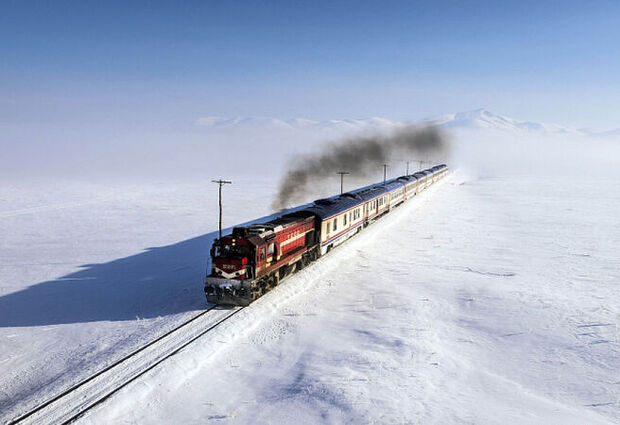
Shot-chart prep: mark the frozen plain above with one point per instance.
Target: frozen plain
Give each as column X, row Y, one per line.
column 492, row 298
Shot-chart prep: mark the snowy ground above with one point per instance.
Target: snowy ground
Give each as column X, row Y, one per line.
column 89, row 271
column 484, row 302
column 493, row 298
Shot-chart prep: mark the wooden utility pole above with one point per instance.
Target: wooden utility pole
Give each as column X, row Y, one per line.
column 384, row 173
column 342, row 174
column 221, row 183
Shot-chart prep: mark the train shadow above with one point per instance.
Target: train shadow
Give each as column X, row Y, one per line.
column 157, row 282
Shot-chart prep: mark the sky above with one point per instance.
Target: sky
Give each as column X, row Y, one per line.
column 92, row 71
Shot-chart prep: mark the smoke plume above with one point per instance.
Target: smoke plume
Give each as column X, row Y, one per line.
column 360, row 156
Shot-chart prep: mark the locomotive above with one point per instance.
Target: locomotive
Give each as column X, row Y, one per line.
column 253, row 259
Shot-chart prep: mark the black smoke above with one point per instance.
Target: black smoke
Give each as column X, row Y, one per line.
column 360, row 156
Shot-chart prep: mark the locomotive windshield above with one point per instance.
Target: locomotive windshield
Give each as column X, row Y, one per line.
column 232, row 251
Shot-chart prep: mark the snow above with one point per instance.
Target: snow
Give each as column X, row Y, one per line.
column 474, row 119
column 435, row 315
column 491, row 298
column 374, row 123
column 481, row 118
column 90, row 271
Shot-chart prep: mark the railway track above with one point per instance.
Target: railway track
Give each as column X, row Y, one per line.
column 75, row 401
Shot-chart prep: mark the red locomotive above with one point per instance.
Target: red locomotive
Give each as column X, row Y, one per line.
column 253, row 259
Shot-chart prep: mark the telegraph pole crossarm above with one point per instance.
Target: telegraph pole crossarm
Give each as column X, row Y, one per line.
column 342, row 174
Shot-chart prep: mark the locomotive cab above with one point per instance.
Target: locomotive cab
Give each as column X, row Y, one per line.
column 233, row 258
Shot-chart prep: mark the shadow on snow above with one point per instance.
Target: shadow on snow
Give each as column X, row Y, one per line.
column 157, row 282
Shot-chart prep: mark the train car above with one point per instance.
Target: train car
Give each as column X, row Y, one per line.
column 422, row 180
column 372, row 208
column 338, row 219
column 396, row 192
column 441, row 170
column 410, row 183
column 429, row 174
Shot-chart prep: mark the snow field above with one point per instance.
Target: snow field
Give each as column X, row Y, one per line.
column 483, row 301
column 78, row 289
column 492, row 298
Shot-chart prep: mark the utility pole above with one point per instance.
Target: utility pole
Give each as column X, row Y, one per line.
column 420, row 162
column 342, row 174
column 221, row 183
column 407, row 168
column 384, row 173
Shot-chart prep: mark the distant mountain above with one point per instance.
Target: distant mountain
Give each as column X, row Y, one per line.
column 483, row 119
column 476, row 119
column 296, row 123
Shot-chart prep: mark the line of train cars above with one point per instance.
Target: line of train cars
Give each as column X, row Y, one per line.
column 253, row 259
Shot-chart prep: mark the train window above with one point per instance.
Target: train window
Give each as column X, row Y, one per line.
column 262, row 254
column 344, row 220
column 270, row 249
column 335, row 224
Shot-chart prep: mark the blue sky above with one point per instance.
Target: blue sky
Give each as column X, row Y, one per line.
column 94, row 65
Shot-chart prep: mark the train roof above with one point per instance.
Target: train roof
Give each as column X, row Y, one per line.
column 369, row 192
column 406, row 179
column 391, row 185
column 328, row 207
column 272, row 226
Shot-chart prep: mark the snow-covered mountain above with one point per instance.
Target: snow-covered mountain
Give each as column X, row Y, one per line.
column 476, row 119
column 483, row 119
column 295, row 123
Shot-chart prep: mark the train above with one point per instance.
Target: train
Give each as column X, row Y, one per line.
column 254, row 259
